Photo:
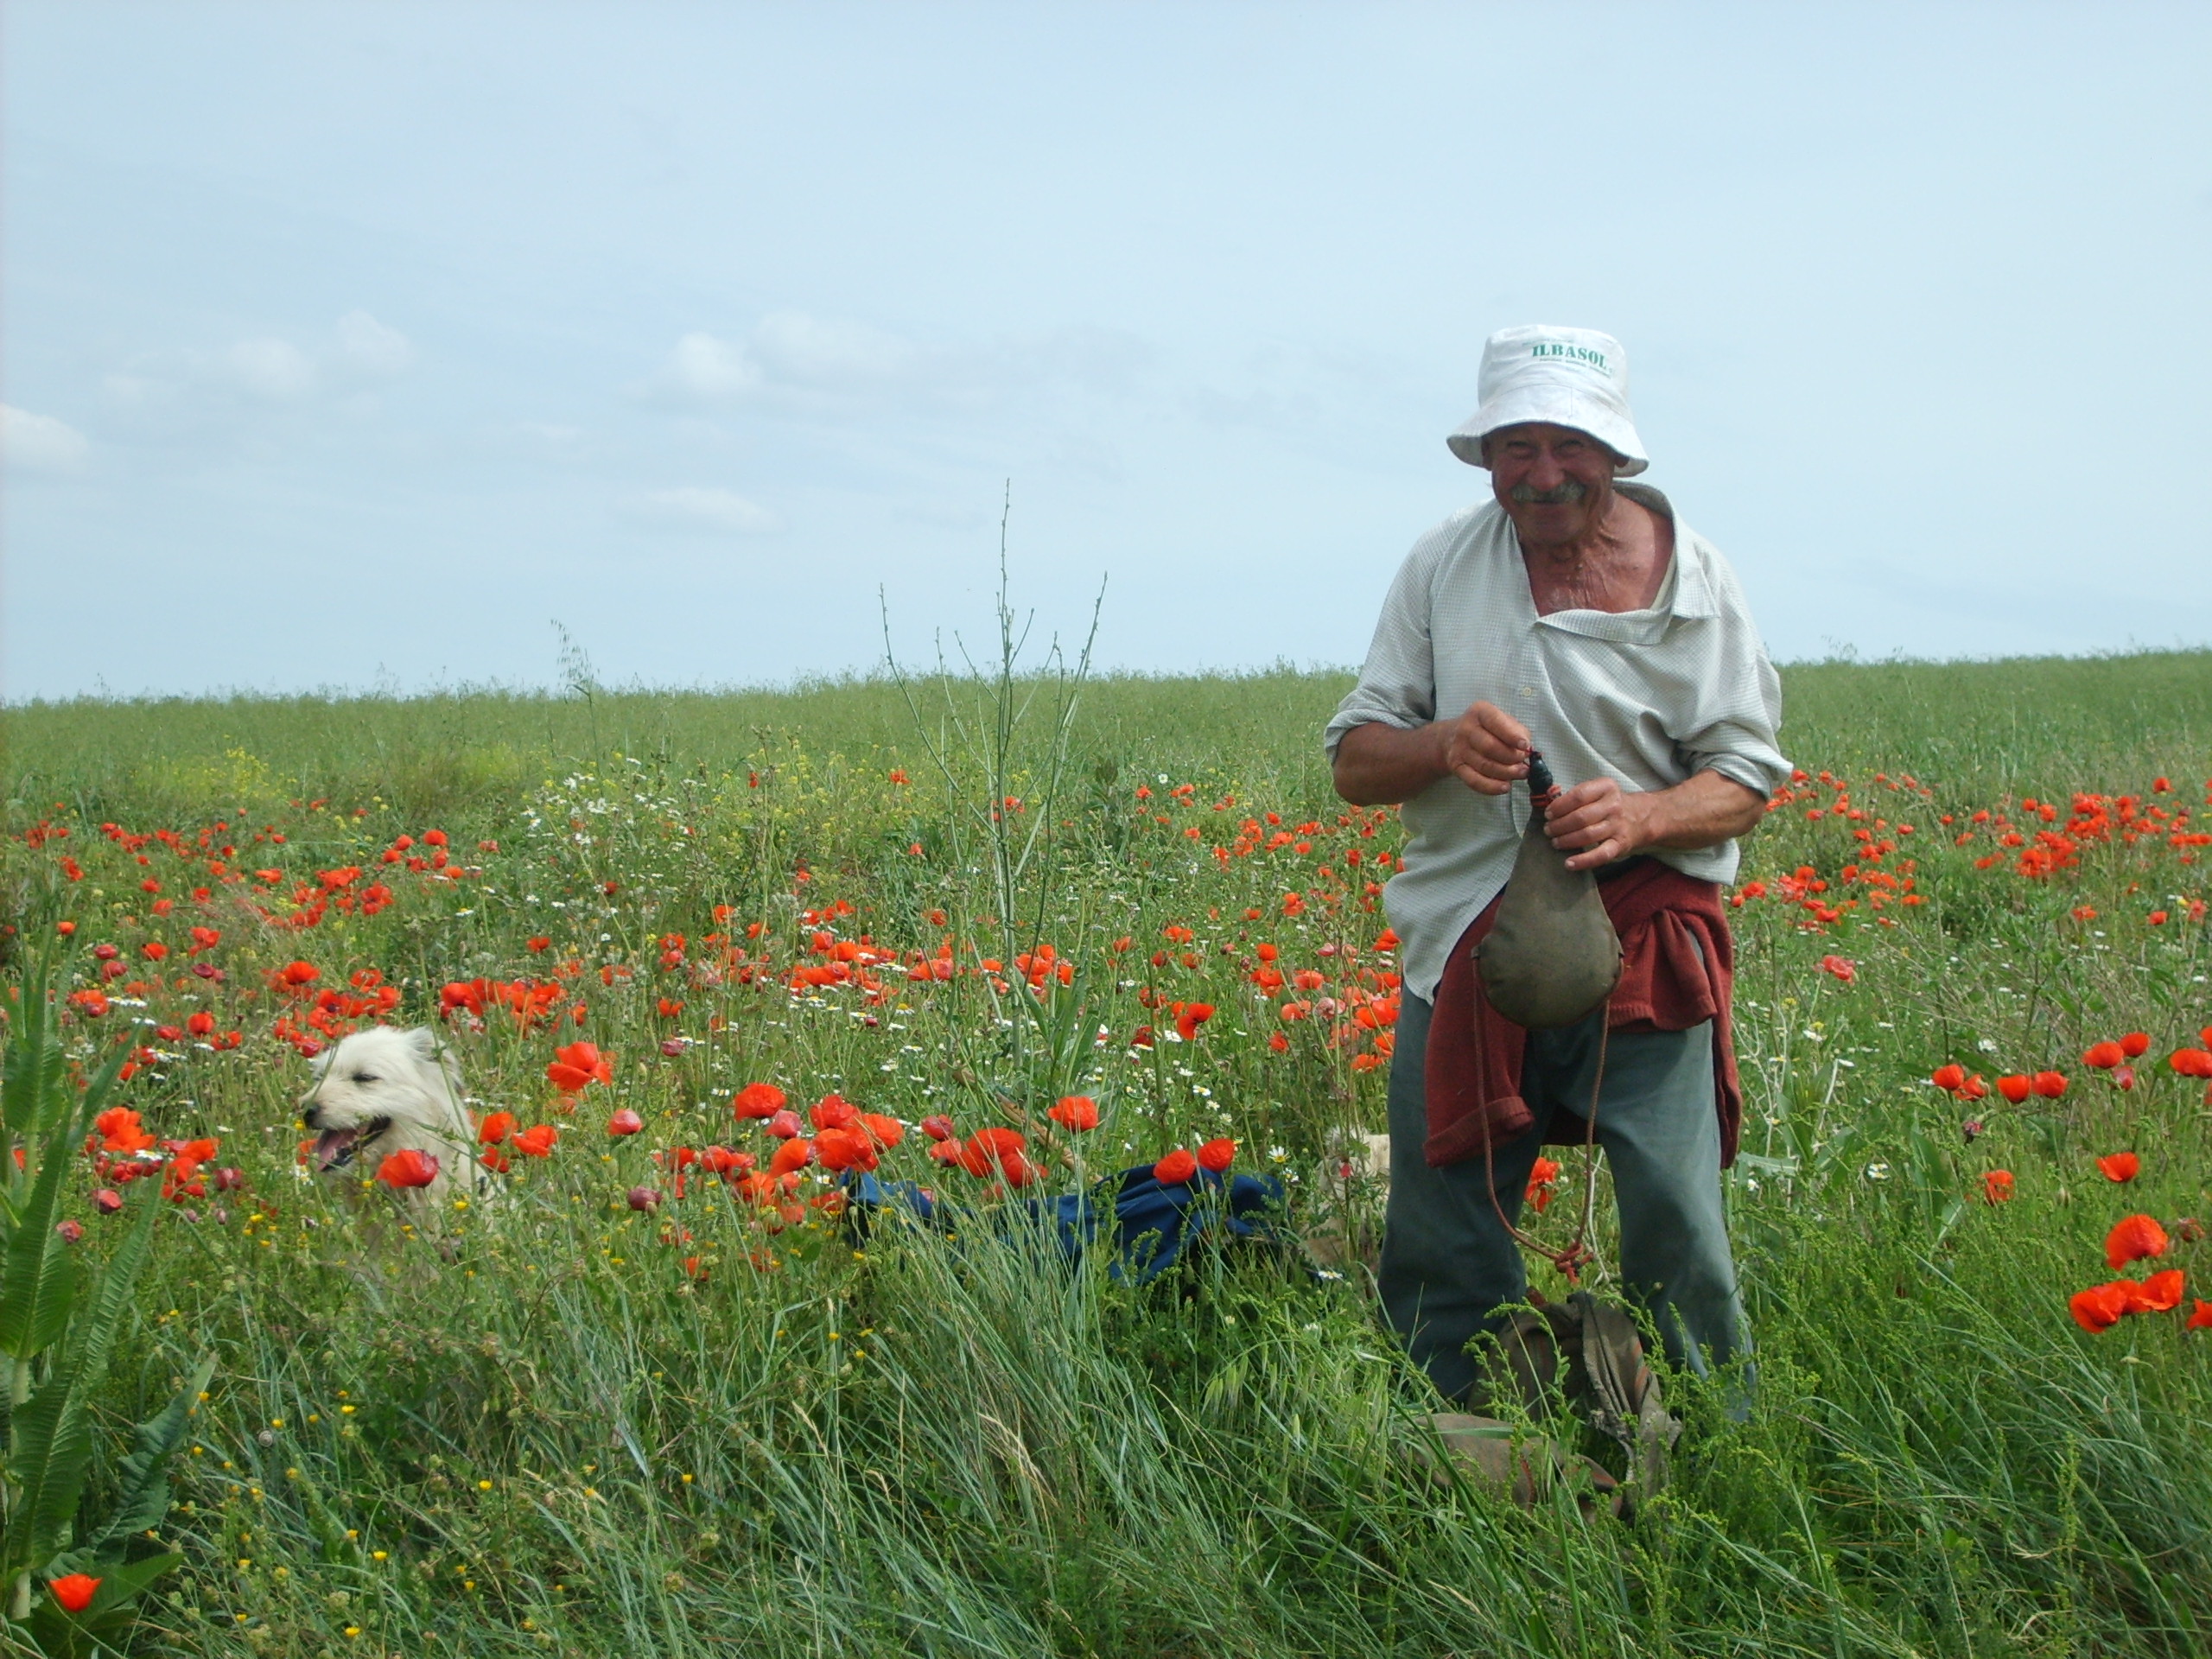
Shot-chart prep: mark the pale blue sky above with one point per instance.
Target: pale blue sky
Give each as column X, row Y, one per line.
column 355, row 345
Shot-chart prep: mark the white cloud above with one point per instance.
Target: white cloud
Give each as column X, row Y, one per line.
column 371, row 348
column 705, row 369
column 175, row 389
column 40, row 443
column 796, row 360
column 695, row 508
column 275, row 371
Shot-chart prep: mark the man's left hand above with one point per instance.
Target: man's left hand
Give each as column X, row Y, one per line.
column 1598, row 823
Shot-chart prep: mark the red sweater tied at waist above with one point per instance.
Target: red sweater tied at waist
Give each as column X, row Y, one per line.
column 1678, row 969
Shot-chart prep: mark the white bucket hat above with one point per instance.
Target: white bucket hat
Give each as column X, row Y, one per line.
column 1568, row 377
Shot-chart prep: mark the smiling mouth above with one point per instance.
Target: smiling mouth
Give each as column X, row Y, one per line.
column 335, row 1148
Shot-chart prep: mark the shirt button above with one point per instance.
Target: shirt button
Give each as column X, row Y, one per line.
column 1528, row 690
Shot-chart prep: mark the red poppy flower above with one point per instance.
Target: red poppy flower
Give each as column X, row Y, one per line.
column 937, row 1127
column 834, row 1112
column 1541, row 1174
column 1077, row 1112
column 2191, row 1062
column 2050, row 1084
column 2103, row 1056
column 795, row 1153
column 2157, row 1294
column 758, row 1100
column 992, row 1149
column 408, row 1167
column 2015, row 1089
column 577, row 1066
column 1951, row 1075
column 1176, row 1168
column 625, row 1121
column 1218, row 1155
column 536, row 1142
column 842, row 1149
column 2200, row 1316
column 885, row 1132
column 784, row 1125
column 496, row 1128
column 2120, row 1166
column 1189, row 1017
column 119, row 1131
column 947, row 1152
column 74, row 1591
column 2135, row 1044
column 2098, row 1308
column 1996, row 1185
column 2133, row 1240
column 1842, row 967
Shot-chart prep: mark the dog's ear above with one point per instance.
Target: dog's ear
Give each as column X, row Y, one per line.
column 431, row 1047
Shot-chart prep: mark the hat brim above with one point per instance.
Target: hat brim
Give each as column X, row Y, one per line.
column 1556, row 407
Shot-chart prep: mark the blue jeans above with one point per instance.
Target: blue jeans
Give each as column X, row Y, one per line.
column 1448, row 1265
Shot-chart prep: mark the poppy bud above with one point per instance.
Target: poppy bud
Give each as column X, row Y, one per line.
column 673, row 1047
column 645, row 1198
column 625, row 1121
column 70, row 1231
column 938, row 1127
column 107, row 1201
column 229, row 1179
column 784, row 1125
column 1970, row 1129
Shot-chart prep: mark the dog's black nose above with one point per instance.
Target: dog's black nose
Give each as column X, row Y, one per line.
column 311, row 1116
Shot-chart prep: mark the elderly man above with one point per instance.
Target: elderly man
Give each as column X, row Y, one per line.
column 1580, row 615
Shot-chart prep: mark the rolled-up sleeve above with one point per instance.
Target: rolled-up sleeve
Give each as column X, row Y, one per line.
column 1397, row 685
column 1736, row 727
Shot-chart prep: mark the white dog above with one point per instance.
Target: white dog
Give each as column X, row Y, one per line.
column 384, row 1090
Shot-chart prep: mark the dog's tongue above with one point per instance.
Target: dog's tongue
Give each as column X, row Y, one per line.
column 334, row 1148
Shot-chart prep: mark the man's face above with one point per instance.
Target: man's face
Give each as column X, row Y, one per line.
column 1553, row 481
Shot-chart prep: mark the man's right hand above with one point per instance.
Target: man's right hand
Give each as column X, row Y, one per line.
column 1485, row 748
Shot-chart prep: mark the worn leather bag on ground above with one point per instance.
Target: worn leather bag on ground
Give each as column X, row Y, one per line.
column 1581, row 1358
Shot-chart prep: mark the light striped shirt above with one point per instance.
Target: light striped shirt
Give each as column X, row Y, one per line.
column 1649, row 697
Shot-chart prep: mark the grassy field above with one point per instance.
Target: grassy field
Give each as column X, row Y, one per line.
column 563, row 1425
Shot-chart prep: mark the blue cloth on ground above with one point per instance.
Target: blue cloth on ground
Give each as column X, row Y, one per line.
column 1153, row 1221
